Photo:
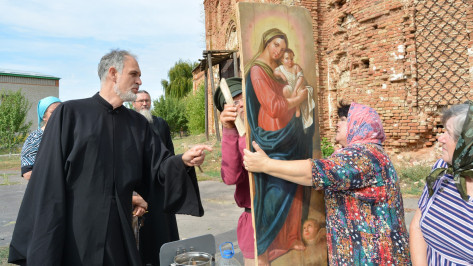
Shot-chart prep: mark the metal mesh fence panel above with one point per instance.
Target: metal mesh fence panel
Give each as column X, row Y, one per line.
column 442, row 52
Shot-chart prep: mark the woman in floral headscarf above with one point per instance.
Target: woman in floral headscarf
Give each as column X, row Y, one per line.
column 442, row 228
column 364, row 209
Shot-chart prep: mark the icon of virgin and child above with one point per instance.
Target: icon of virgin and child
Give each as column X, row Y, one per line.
column 280, row 112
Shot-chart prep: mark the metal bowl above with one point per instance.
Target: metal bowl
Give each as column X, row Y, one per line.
column 193, row 258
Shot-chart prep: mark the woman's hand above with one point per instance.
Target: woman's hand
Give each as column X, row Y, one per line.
column 298, row 171
column 27, row 175
column 255, row 161
column 228, row 116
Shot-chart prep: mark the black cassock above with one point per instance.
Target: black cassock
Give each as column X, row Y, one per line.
column 77, row 206
column 159, row 226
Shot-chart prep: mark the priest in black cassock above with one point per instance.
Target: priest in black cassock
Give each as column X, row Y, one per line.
column 159, row 227
column 94, row 153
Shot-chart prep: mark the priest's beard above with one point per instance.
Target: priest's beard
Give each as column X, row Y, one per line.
column 127, row 96
column 147, row 114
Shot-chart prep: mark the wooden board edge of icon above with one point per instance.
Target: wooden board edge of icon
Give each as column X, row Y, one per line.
column 229, row 100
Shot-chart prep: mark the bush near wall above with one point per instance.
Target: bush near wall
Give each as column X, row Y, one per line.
column 195, row 111
column 13, row 126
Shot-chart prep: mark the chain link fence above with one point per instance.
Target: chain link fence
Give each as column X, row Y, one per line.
column 442, row 52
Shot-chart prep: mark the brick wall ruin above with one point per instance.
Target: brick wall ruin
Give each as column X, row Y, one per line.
column 406, row 58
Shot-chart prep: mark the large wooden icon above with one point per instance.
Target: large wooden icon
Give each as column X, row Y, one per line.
column 277, row 55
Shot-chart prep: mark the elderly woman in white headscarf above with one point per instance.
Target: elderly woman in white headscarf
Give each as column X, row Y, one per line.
column 46, row 106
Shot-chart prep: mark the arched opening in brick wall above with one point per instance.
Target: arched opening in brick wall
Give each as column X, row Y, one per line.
column 231, row 37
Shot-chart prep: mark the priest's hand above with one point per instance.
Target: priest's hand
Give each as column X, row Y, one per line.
column 195, row 156
column 139, row 211
column 140, row 206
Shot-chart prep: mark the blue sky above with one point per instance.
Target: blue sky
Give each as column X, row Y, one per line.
column 67, row 38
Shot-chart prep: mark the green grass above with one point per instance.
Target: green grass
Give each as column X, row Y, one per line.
column 211, row 165
column 4, row 255
column 10, row 162
column 412, row 178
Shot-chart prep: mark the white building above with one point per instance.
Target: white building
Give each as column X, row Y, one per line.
column 34, row 86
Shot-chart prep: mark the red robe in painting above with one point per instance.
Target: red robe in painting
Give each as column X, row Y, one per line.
column 274, row 113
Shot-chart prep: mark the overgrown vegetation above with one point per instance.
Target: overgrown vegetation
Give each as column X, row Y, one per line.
column 13, row 126
column 195, row 111
column 173, row 111
column 412, row 178
column 327, row 148
column 183, row 110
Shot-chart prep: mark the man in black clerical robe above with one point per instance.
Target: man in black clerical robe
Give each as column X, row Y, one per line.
column 94, row 153
column 159, row 227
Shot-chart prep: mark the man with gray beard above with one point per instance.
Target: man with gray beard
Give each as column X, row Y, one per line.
column 94, row 153
column 159, row 227
column 142, row 105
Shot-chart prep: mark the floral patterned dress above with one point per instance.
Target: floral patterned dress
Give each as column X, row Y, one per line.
column 364, row 208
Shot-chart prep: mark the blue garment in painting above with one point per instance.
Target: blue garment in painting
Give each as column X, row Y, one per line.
column 274, row 196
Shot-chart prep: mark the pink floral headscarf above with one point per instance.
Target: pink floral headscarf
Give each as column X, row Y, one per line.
column 364, row 125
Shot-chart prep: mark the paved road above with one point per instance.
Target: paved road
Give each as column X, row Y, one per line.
column 220, row 219
column 11, row 195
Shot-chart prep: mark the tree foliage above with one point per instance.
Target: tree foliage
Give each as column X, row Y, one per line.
column 195, row 111
column 180, row 80
column 129, row 105
column 173, row 111
column 13, row 126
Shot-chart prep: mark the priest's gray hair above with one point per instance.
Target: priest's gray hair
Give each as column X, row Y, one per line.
column 114, row 58
column 458, row 114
